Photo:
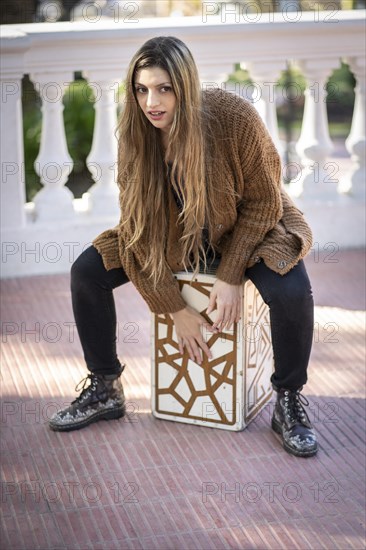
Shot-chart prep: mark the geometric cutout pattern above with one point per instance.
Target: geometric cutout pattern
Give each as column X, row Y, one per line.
column 226, row 391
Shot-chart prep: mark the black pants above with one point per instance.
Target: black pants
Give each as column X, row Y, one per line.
column 289, row 298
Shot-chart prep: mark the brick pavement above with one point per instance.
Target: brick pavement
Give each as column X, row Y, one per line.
column 143, row 483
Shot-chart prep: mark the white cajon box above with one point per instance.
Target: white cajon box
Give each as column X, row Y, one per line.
column 227, row 391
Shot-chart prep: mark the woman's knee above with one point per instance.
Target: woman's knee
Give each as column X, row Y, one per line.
column 85, row 270
column 297, row 293
column 295, row 288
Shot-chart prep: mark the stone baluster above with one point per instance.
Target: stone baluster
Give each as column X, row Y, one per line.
column 354, row 182
column 317, row 178
column 13, row 44
column 102, row 159
column 53, row 163
column 264, row 76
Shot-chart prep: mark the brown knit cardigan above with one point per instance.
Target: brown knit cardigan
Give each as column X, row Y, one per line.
column 257, row 222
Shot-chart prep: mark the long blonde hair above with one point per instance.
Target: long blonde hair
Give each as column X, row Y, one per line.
column 142, row 172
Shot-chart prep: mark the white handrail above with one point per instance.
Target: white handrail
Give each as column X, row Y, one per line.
column 51, row 52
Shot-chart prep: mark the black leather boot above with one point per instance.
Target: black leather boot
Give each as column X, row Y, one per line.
column 103, row 399
column 291, row 421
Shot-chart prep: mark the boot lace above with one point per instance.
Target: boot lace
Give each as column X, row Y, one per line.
column 86, row 390
column 294, row 403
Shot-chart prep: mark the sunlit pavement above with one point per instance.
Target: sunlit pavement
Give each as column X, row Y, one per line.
column 144, row 483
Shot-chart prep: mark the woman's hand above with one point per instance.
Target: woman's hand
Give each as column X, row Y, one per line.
column 188, row 325
column 227, row 300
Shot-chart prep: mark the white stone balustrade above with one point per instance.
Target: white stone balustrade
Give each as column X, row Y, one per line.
column 314, row 145
column 53, row 163
column 45, row 236
column 356, row 141
column 102, row 159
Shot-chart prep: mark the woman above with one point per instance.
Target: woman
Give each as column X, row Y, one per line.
column 200, row 186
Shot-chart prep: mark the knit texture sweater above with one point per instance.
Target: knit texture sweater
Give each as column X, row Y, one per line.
column 257, row 221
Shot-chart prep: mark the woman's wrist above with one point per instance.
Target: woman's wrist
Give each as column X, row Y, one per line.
column 177, row 313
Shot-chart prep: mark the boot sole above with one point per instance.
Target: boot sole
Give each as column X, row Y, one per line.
column 277, row 428
column 113, row 414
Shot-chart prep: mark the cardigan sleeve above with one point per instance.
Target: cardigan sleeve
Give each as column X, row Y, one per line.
column 260, row 205
column 166, row 296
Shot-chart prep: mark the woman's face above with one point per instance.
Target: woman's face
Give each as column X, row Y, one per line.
column 155, row 96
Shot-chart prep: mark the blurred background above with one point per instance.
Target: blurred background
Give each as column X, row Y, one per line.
column 79, row 114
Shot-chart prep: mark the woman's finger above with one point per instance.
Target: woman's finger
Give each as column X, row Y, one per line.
column 220, row 317
column 203, row 344
column 189, row 349
column 226, row 320
column 197, row 354
column 212, row 303
column 205, row 348
column 233, row 318
column 207, row 326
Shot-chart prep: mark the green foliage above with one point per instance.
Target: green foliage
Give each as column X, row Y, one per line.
column 79, row 121
column 32, row 124
column 79, row 124
column 340, row 87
